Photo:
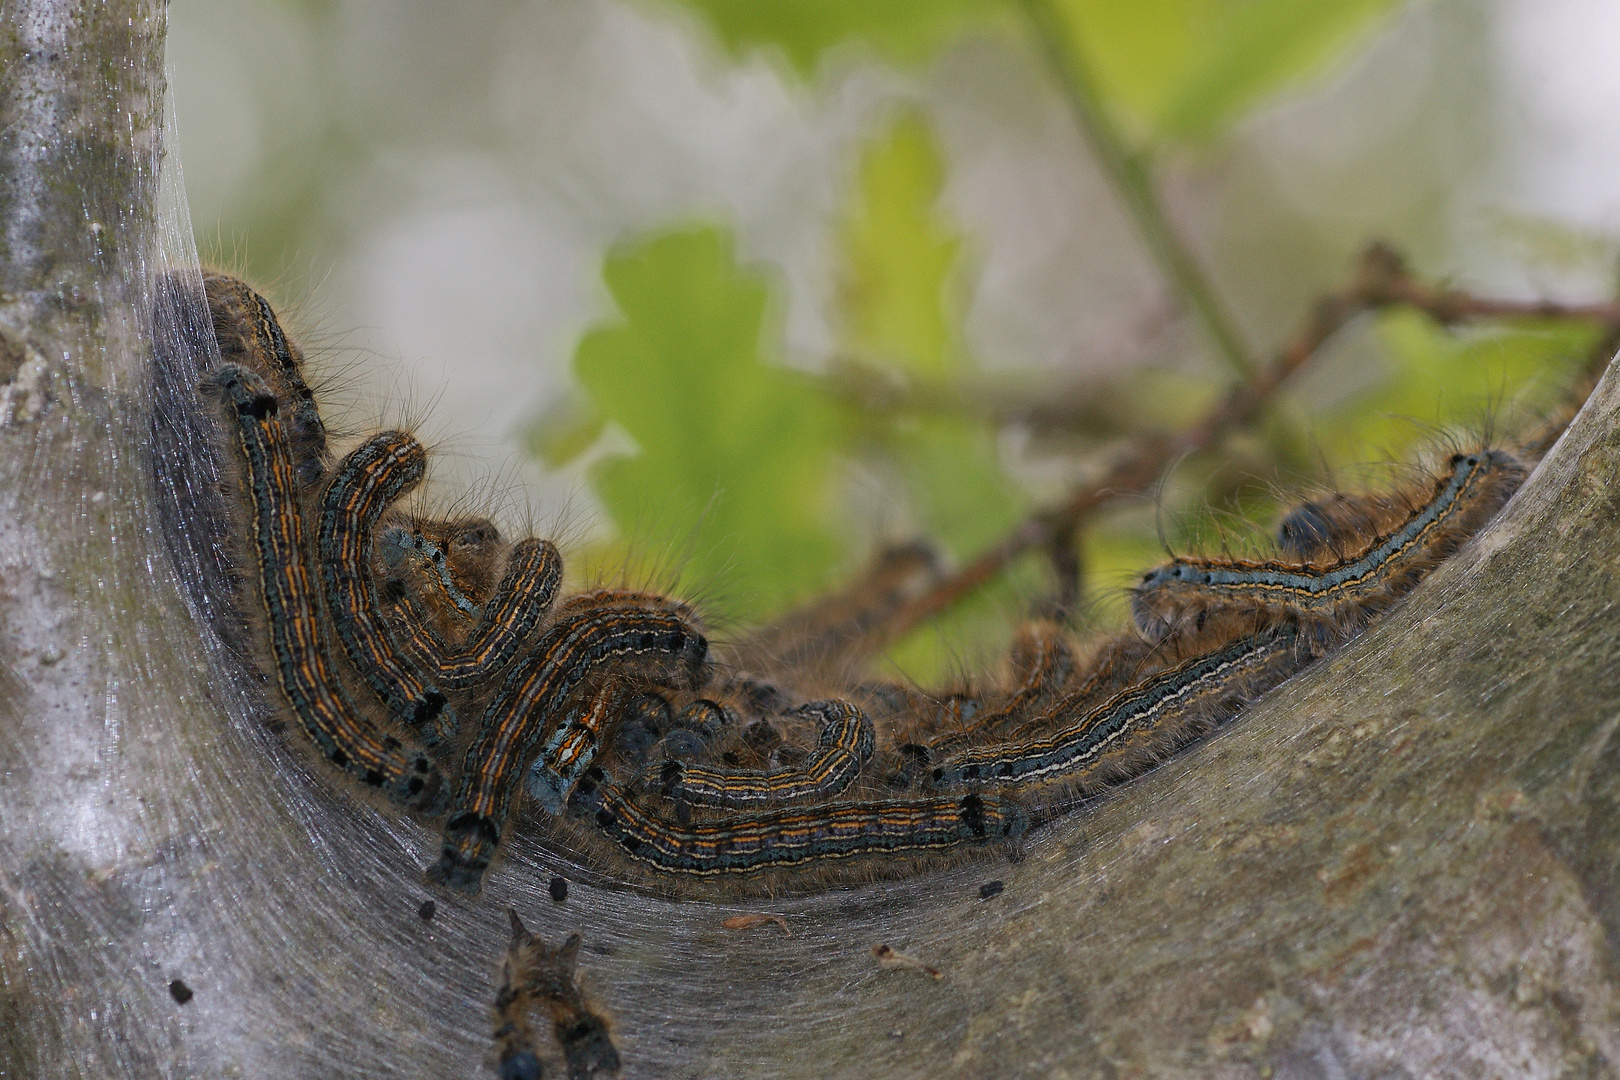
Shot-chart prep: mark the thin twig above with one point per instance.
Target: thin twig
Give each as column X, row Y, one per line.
column 1382, row 281
column 1130, row 176
column 1066, row 569
column 1094, row 409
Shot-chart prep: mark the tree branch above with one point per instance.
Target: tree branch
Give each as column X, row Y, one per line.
column 1133, row 181
column 1382, row 280
column 1405, row 861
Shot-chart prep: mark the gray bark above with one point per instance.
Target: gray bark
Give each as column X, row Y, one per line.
column 1404, row 862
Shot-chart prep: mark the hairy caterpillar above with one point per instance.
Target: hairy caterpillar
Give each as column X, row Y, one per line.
column 1041, row 656
column 844, row 747
column 249, row 334
column 1139, row 726
column 375, row 475
column 443, row 618
column 536, row 976
column 1334, row 597
column 304, row 667
column 590, row 631
column 452, row 565
column 794, row 836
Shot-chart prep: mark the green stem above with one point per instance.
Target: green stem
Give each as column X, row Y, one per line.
column 1131, row 178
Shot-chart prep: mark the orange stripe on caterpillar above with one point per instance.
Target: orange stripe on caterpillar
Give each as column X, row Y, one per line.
column 305, row 671
column 588, row 637
column 845, row 745
column 376, row 474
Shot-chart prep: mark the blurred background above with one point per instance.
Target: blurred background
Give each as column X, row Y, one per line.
column 741, row 293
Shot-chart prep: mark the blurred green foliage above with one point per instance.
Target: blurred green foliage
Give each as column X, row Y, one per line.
column 749, row 461
column 740, row 457
column 734, row 453
column 1468, row 378
column 905, row 31
column 1182, row 68
column 901, row 303
column 1186, row 69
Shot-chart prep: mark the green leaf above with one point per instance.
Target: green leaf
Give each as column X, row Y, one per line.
column 1186, row 69
column 565, row 430
column 1467, row 377
column 898, row 298
column 900, row 308
column 736, row 453
column 902, row 31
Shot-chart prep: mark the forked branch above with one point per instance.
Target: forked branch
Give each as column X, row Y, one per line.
column 1382, row 280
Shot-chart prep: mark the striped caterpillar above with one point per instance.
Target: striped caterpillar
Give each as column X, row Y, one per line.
column 1352, row 558
column 437, row 663
column 305, row 671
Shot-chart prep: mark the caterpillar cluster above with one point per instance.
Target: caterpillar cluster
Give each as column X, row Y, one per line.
column 438, row 664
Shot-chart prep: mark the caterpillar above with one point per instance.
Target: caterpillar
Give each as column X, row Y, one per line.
column 1333, row 597
column 844, row 747
column 1139, row 726
column 509, row 619
column 590, row 632
column 794, row 836
column 305, row 672
column 452, row 566
column 732, row 775
column 248, row 334
column 1041, row 655
column 372, row 477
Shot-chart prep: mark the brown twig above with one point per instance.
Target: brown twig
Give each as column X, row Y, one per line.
column 1129, row 170
column 1066, row 569
column 1091, row 408
column 1382, row 281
